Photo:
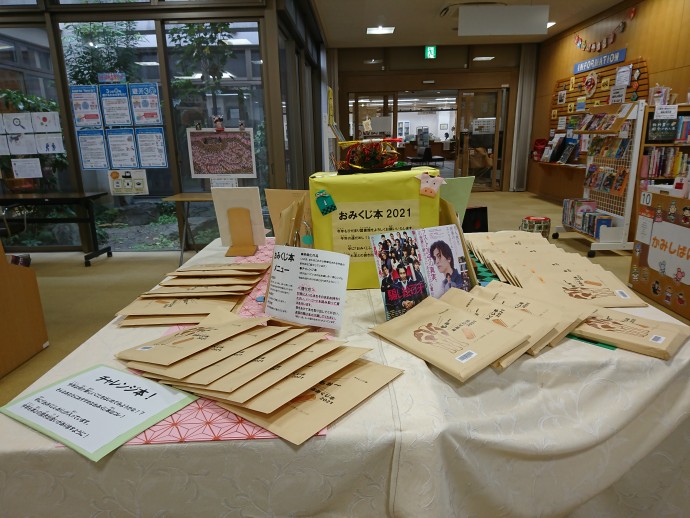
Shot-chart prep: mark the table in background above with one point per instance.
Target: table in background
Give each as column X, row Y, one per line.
column 579, row 430
column 186, row 198
column 82, row 200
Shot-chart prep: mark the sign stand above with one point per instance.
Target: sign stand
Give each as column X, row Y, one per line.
column 240, row 225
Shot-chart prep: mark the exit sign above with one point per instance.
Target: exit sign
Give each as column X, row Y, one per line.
column 430, row 52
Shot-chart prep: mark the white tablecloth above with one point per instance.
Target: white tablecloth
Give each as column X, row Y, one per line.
column 580, row 430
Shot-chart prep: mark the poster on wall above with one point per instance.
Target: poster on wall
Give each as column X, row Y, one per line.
column 46, row 122
column 121, row 150
column 130, row 182
column 17, row 122
column 115, row 104
column 85, row 106
column 22, row 144
column 228, row 153
column 91, row 144
column 49, row 143
column 151, row 147
column 660, row 268
column 27, row 168
column 145, row 103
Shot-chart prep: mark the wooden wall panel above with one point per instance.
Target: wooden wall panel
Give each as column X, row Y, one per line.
column 658, row 34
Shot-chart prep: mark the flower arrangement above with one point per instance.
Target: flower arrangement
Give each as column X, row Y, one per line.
column 369, row 155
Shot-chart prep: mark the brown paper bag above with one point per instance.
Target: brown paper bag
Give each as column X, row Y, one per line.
column 455, row 341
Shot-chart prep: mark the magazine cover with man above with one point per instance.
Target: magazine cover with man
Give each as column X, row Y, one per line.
column 415, row 264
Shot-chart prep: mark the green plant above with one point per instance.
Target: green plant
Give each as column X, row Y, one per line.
column 166, row 219
column 94, row 47
column 206, row 236
column 200, row 47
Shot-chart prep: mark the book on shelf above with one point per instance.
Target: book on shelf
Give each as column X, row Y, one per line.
column 570, row 151
column 607, row 181
column 620, row 182
column 608, row 122
column 556, row 143
column 573, row 122
column 584, row 122
column 574, row 210
column 683, row 130
column 546, row 154
column 596, row 122
column 591, row 174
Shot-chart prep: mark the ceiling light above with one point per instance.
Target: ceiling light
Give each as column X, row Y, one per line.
column 372, row 61
column 380, row 30
column 550, row 24
column 146, row 63
column 258, row 62
column 428, row 82
column 483, row 58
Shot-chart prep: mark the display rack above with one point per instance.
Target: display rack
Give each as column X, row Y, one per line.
column 618, row 205
column 663, row 163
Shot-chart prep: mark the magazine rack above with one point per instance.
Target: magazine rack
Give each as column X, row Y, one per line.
column 616, row 204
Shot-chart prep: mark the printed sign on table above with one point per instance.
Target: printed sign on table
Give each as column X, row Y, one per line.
column 97, row 410
column 145, row 103
column 92, row 153
column 85, row 106
column 308, row 286
column 115, row 104
column 123, row 154
column 151, row 147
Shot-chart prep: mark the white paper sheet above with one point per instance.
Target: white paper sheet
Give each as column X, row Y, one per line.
column 27, row 168
column 49, row 143
column 17, row 122
column 46, row 122
column 22, row 143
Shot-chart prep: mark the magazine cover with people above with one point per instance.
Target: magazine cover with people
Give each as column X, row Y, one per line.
column 415, row 264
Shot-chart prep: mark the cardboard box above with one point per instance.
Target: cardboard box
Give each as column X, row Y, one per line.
column 21, row 318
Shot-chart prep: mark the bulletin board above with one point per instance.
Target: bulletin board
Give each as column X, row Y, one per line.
column 660, row 266
column 567, row 91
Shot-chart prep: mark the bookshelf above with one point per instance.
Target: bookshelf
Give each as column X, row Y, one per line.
column 604, row 212
column 664, row 163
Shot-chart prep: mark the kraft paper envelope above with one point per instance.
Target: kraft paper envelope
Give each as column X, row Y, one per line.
column 650, row 337
column 233, row 282
column 192, row 291
column 283, row 370
column 290, row 222
column 163, row 307
column 539, row 331
column 455, row 341
column 249, row 371
column 243, row 276
column 563, row 322
column 277, row 200
column 209, row 356
column 169, row 349
column 225, row 198
column 217, row 370
column 234, row 268
column 225, row 295
column 133, row 321
column 457, row 192
column 321, row 405
column 602, row 289
column 219, row 316
column 302, row 379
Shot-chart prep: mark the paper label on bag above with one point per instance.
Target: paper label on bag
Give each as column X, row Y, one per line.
column 354, row 222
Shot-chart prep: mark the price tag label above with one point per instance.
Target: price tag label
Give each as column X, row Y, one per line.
column 646, row 199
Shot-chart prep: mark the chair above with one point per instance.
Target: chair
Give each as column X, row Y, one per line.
column 419, row 158
column 435, row 159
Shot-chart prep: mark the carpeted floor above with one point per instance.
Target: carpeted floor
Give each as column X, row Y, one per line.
column 78, row 301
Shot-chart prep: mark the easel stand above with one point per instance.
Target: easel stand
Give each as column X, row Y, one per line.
column 240, row 225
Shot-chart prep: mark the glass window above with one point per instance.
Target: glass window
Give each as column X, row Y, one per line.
column 208, row 67
column 27, row 86
column 126, row 51
column 7, row 51
column 18, row 2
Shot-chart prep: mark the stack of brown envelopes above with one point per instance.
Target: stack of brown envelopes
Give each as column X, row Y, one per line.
column 290, row 381
column 190, row 293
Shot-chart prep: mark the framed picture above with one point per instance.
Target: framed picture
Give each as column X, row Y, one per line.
column 443, row 126
column 221, row 154
column 562, row 96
